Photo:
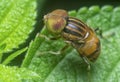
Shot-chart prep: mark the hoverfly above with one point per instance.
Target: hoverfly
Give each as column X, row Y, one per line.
column 74, row 32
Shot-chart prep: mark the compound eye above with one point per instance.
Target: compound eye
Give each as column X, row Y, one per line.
column 55, row 24
column 56, row 21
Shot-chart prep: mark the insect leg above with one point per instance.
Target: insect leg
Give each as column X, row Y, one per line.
column 99, row 31
column 47, row 38
column 52, row 52
column 88, row 69
column 87, row 62
column 60, row 51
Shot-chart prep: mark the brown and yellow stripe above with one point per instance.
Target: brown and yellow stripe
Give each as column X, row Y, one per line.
column 75, row 27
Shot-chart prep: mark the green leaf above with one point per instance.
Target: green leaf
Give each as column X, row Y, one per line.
column 16, row 22
column 15, row 74
column 13, row 55
column 69, row 67
column 34, row 46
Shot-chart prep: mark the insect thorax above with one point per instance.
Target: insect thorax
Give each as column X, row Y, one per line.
column 75, row 30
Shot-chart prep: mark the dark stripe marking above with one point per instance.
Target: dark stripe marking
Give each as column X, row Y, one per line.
column 78, row 22
column 77, row 27
column 72, row 32
column 74, row 28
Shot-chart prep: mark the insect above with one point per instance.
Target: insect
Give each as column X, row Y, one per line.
column 74, row 32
